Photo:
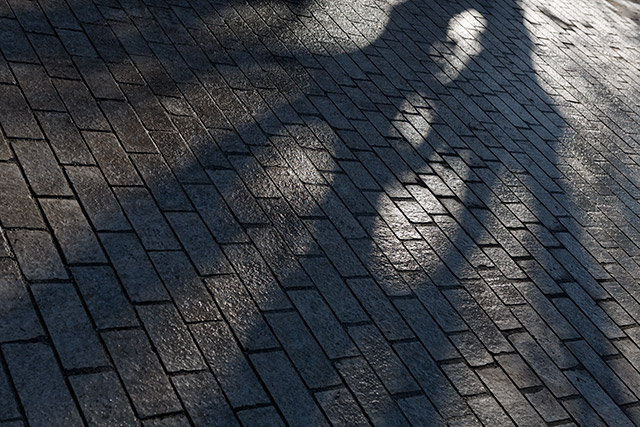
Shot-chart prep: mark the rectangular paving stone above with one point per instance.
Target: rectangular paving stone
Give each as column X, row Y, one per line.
column 144, row 380
column 602, row 373
column 15, row 116
column 381, row 310
column 377, row 351
column 20, row 321
column 542, row 365
column 17, row 207
column 185, row 286
column 419, row 411
column 72, row 231
column 54, row 57
column 112, row 159
column 236, row 195
column 202, row 249
column 489, row 411
column 146, row 218
column 478, row 321
column 81, row 105
column 103, row 294
column 547, row 406
column 133, row 267
column 203, row 400
column 463, row 378
column 518, row 371
column 362, row 381
column 585, row 326
column 279, row 257
column 340, row 407
column 9, row 408
column 267, row 414
column 73, row 335
column 36, row 254
column 303, row 350
column 435, row 302
column 102, row 399
column 40, row 385
column 65, row 138
column 241, row 312
column 228, row 364
column 336, row 248
column 181, row 159
column 287, row 389
column 127, row 127
column 178, row 420
column 431, row 379
column 290, row 227
column 334, row 289
column 582, row 412
column 598, row 399
column 337, row 212
column 323, row 323
column 163, row 185
column 215, row 213
column 510, row 398
column 147, row 106
column 257, row 277
column 98, row 78
column 293, row 190
column 37, row 87
column 171, row 338
column 41, row 168
column 97, row 199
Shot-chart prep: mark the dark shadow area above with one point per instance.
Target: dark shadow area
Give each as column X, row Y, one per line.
column 309, row 212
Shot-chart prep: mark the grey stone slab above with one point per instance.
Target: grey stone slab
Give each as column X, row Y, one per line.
column 40, row 385
column 203, row 400
column 287, row 389
column 16, row 118
column 97, row 199
column 171, row 338
column 305, row 353
column 68, row 324
column 144, row 379
column 341, row 408
column 241, row 313
column 37, row 87
column 133, row 267
column 20, row 320
column 112, row 159
column 104, row 296
column 72, row 231
column 229, row 365
column 41, row 168
column 147, row 220
column 202, row 249
column 185, row 286
column 37, row 255
column 381, row 409
column 17, row 207
column 102, row 399
column 65, row 138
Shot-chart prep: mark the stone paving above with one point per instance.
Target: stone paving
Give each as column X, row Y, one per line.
column 313, row 212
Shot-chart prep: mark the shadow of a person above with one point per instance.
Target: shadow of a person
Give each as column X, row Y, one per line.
column 371, row 207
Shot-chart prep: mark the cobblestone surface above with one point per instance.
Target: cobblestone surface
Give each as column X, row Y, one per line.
column 313, row 212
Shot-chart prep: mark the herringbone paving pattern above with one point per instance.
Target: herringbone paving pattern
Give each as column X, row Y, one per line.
column 349, row 212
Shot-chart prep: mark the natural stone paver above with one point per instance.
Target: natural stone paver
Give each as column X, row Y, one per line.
column 310, row 212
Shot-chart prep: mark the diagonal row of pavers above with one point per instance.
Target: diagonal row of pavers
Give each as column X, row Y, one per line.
column 314, row 212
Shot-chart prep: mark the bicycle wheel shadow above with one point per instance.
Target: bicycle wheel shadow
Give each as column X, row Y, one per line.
column 354, row 230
